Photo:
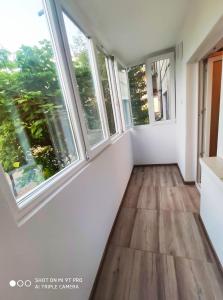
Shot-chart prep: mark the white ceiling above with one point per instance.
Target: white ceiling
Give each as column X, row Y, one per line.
column 132, row 29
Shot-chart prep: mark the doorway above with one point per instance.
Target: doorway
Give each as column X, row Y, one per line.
column 210, row 74
column 215, row 103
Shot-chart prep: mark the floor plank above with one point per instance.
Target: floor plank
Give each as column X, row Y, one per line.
column 153, row 277
column 114, row 282
column 149, row 198
column 191, row 198
column 131, row 196
column 139, row 275
column 198, row 280
column 179, row 235
column 123, row 228
column 145, row 231
column 138, row 176
column 179, row 198
column 162, row 176
column 172, row 199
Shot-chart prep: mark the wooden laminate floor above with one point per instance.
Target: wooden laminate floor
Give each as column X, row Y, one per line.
column 158, row 249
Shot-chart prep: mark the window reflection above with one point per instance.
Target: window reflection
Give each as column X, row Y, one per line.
column 78, row 44
column 161, row 89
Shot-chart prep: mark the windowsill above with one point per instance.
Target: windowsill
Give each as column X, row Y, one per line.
column 214, row 165
column 156, row 123
column 97, row 149
column 33, row 202
column 164, row 122
column 110, row 142
column 116, row 137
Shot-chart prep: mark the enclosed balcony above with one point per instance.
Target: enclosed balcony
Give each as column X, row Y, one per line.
column 111, row 150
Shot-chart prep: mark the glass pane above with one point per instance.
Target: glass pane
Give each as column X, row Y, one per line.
column 161, row 89
column 127, row 112
column 138, row 92
column 36, row 140
column 103, row 72
column 124, row 89
column 78, row 44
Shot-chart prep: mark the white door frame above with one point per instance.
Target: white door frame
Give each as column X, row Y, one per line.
column 209, row 102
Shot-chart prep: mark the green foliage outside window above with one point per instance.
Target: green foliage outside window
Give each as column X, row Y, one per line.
column 30, row 99
column 138, row 92
column 86, row 89
column 28, row 90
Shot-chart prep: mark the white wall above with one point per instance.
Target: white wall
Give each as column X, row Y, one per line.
column 191, row 122
column 67, row 237
column 201, row 19
column 154, row 144
column 211, row 202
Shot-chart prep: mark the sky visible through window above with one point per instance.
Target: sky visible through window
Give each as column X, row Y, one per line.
column 14, row 17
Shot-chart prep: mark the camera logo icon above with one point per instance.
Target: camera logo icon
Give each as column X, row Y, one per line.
column 20, row 283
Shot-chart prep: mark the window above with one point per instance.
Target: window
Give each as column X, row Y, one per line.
column 161, row 84
column 44, row 128
column 107, row 90
column 36, row 136
column 82, row 67
column 124, row 95
column 138, row 93
column 116, row 98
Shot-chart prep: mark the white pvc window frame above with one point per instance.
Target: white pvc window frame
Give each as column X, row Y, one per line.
column 36, row 198
column 109, row 70
column 149, row 62
column 26, row 205
column 116, row 97
column 90, row 151
column 122, row 114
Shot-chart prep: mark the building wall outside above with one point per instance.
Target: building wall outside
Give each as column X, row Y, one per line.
column 155, row 143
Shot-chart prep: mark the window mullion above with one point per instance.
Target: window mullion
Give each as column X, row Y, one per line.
column 119, row 95
column 82, row 131
column 124, row 95
column 99, row 90
column 95, row 138
column 116, row 96
column 129, row 96
column 172, row 89
column 109, row 72
column 149, row 93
